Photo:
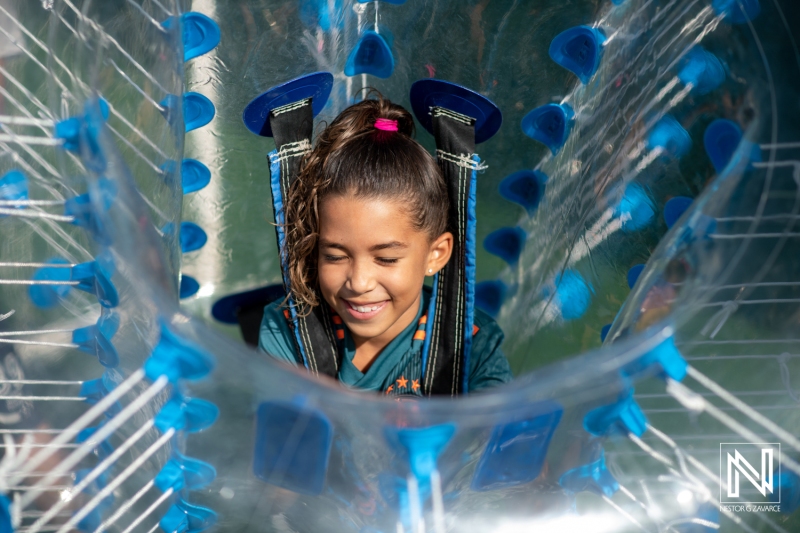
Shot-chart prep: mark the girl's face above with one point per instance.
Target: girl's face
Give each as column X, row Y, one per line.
column 372, row 265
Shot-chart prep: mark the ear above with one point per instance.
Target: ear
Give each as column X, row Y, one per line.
column 439, row 253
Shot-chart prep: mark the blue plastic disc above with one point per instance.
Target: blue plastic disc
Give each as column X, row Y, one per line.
column 549, row 124
column 670, row 136
column 45, row 296
column 316, row 86
column 189, row 286
column 226, row 309
column 489, row 296
column 371, row 55
column 429, row 93
column 506, row 243
column 635, row 208
column 14, row 186
column 192, row 237
column 579, row 50
column 675, row 208
column 197, row 111
column 200, row 35
column 737, row 11
column 721, row 139
column 194, row 175
column 702, row 69
column 633, row 274
column 525, row 188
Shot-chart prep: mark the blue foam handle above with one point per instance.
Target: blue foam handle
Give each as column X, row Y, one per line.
column 573, row 294
column 199, row 518
column 635, row 208
column 293, row 446
column 200, row 34
column 579, row 50
column 670, row 136
column 94, row 277
column 95, row 390
column 14, row 186
column 525, row 188
column 737, row 11
column 422, row 446
column 187, row 414
column 604, row 332
column 489, row 296
column 506, row 243
column 549, row 124
column 189, row 286
column 96, row 339
column 47, row 296
column 192, row 237
column 102, row 449
column 177, row 358
column 194, row 175
column 516, row 451
column 170, row 477
column 666, row 355
column 174, row 520
column 675, row 208
column 592, row 477
column 371, row 55
column 702, row 69
column 623, row 416
column 197, row 110
column 633, row 274
column 196, row 473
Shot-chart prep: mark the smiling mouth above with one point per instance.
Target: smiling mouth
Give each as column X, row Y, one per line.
column 363, row 312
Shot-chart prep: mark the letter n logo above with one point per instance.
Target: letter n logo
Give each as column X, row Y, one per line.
column 755, row 463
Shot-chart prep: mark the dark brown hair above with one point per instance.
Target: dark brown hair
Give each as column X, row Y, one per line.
column 352, row 157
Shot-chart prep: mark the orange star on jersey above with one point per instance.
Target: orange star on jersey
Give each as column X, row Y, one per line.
column 402, row 382
column 415, row 384
column 390, row 389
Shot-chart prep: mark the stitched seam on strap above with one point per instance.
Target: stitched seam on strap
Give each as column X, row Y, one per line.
column 460, row 282
column 449, row 113
column 309, row 348
column 290, row 107
column 436, row 327
column 329, row 333
column 295, row 149
column 463, row 161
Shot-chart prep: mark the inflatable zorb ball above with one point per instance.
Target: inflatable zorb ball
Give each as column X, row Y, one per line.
column 627, row 437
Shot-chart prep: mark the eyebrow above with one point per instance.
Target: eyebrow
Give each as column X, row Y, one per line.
column 383, row 246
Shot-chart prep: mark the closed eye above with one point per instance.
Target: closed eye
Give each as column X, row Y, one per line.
column 334, row 258
column 387, row 260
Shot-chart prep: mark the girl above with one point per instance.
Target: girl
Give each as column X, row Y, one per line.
column 365, row 224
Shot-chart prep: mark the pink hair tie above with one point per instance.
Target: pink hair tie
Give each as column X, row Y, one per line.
column 385, row 124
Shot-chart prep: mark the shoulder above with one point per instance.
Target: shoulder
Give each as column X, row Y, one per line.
column 488, row 366
column 275, row 337
column 485, row 326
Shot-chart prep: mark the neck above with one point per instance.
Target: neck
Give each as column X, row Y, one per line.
column 368, row 349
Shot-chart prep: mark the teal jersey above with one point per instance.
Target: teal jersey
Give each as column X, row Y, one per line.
column 398, row 368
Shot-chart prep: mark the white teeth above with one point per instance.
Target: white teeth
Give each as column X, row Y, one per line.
column 362, row 309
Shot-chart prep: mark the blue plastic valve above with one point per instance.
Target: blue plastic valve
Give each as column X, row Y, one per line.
column 96, row 339
column 525, row 188
column 633, row 274
column 198, row 518
column 669, row 136
column 737, row 11
column 675, row 208
column 489, row 296
column 635, row 209
column 189, row 286
column 200, row 34
column 196, row 473
column 579, row 50
column 192, row 237
column 593, row 477
column 102, row 449
column 170, row 477
column 371, row 55
column 623, row 416
column 194, row 175
column 571, row 293
column 516, row 451
column 46, row 296
column 174, row 521
column 702, row 69
column 186, row 414
column 94, row 277
column 549, row 124
column 293, row 447
column 506, row 243
column 88, row 210
column 721, row 140
column 95, row 390
column 197, row 110
column 666, row 355
column 422, row 446
column 177, row 358
column 13, row 186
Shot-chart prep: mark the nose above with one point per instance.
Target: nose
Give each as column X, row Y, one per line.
column 361, row 277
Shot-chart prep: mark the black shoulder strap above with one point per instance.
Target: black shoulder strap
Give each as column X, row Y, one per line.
column 448, row 338
column 292, row 126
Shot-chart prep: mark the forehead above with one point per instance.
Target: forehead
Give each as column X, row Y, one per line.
column 366, row 221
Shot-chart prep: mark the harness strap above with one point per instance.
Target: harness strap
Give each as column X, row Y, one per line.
column 449, row 333
column 292, row 126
